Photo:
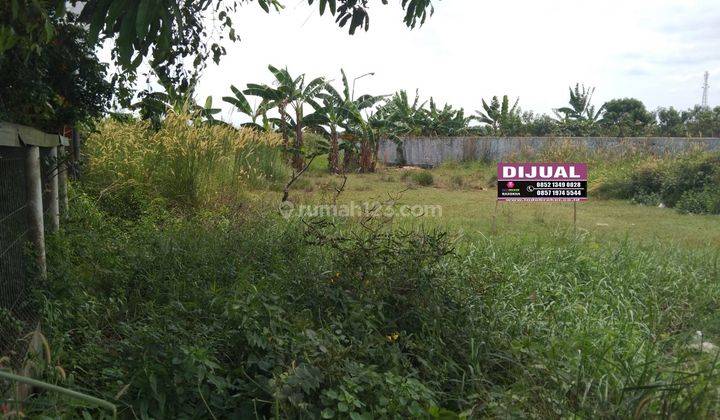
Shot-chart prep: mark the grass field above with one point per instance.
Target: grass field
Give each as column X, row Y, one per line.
column 468, row 198
column 203, row 302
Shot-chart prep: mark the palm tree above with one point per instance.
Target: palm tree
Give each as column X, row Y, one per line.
column 239, row 101
column 499, row 116
column 294, row 93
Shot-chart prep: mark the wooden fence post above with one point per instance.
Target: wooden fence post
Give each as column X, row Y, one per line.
column 33, row 196
column 54, row 204
column 62, row 180
column 75, row 152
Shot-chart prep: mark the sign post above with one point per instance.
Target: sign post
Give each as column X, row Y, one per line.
column 562, row 182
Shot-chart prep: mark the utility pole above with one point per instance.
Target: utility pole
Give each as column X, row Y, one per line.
column 706, row 87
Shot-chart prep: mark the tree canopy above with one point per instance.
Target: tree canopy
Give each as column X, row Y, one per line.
column 61, row 84
column 167, row 34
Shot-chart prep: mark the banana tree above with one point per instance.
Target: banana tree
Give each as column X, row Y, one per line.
column 445, row 121
column 240, row 102
column 359, row 127
column 580, row 118
column 154, row 106
column 295, row 94
column 339, row 111
column 332, row 114
column 403, row 117
column 500, row 116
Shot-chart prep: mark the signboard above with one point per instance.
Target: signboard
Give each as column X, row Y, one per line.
column 542, row 181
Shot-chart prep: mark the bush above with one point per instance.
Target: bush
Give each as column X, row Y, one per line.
column 422, row 178
column 698, row 202
column 457, row 181
column 686, row 182
column 241, row 317
column 257, row 317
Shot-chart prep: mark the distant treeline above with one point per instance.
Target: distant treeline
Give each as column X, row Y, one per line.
column 626, row 117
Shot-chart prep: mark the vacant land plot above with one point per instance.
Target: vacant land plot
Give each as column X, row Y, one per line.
column 467, row 199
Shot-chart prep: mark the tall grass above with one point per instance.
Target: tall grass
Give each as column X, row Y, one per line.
column 262, row 317
column 185, row 162
column 213, row 315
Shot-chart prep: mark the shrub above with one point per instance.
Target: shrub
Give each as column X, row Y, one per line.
column 457, row 181
column 703, row 201
column 422, row 178
column 687, row 182
column 216, row 315
column 690, row 173
column 646, row 179
column 242, row 317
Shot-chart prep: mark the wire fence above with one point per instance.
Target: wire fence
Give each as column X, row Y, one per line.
column 18, row 277
column 16, row 314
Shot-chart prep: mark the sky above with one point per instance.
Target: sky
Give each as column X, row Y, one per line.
column 653, row 50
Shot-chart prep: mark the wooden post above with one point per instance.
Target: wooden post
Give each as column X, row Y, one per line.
column 76, row 152
column 33, row 196
column 62, row 180
column 53, row 196
column 493, row 230
column 574, row 216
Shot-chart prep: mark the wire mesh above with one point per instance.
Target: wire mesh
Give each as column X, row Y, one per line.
column 18, row 313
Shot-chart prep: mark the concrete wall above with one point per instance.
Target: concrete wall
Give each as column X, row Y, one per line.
column 432, row 151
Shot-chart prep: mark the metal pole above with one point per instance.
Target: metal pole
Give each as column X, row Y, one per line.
column 33, row 195
column 62, row 180
column 54, row 204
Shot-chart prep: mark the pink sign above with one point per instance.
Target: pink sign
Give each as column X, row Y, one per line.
column 542, row 181
column 542, row 171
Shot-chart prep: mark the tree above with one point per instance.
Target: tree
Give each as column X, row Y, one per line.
column 294, row 93
column 580, row 118
column 239, row 101
column 499, row 116
column 167, row 34
column 154, row 106
column 538, row 125
column 703, row 122
column 626, row 117
column 61, row 84
column 445, row 121
column 336, row 111
column 357, row 127
column 402, row 117
column 671, row 123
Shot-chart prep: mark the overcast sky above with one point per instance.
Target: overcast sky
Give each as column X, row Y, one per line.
column 654, row 50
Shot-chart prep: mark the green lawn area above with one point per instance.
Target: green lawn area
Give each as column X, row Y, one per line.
column 467, row 196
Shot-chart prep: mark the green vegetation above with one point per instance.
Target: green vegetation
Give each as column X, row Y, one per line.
column 239, row 317
column 167, row 35
column 183, row 164
column 185, row 304
column 422, row 178
column 471, row 208
column 175, row 289
column 689, row 183
column 63, row 84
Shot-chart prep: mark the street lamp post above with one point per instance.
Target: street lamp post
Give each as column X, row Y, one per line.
column 352, row 97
